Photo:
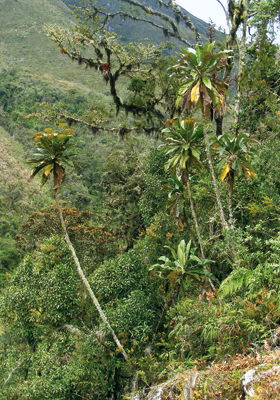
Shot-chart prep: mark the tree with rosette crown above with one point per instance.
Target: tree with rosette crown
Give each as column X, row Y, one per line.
column 182, row 145
column 51, row 157
column 202, row 89
column 186, row 266
column 237, row 154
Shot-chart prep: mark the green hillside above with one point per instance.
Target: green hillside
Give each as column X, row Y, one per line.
column 18, row 198
column 24, row 46
column 147, row 267
column 16, row 189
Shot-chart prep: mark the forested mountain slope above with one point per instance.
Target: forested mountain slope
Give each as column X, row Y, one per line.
column 24, row 46
column 18, row 198
column 152, row 270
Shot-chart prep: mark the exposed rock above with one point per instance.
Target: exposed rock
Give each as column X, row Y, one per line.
column 247, row 380
column 253, row 381
column 179, row 387
column 221, row 380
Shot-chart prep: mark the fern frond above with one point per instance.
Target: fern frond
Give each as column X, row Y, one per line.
column 235, row 281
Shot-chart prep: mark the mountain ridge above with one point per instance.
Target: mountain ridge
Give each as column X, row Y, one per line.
column 25, row 47
column 144, row 30
column 23, row 44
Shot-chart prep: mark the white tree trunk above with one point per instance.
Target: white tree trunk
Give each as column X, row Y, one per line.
column 84, row 279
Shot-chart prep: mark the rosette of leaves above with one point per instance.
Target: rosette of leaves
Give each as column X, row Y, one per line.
column 185, row 266
column 183, row 139
column 182, row 142
column 201, row 88
column 178, row 202
column 177, row 195
column 51, row 155
column 237, row 154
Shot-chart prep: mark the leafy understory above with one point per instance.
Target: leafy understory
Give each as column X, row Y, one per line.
column 146, row 265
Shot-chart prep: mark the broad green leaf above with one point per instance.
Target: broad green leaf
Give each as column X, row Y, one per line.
column 172, row 252
column 183, row 160
column 184, row 88
column 187, row 252
column 207, row 82
column 44, row 179
column 152, row 267
column 164, row 259
column 181, row 256
column 36, row 170
column 195, row 153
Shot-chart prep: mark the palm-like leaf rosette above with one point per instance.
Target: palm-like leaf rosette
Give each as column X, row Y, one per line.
column 201, row 87
column 237, row 155
column 185, row 265
column 51, row 155
column 177, row 195
column 182, row 142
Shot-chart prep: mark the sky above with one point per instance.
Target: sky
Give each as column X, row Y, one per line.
column 205, row 9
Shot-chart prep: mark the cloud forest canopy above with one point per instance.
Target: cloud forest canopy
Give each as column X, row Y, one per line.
column 189, row 285
column 137, row 74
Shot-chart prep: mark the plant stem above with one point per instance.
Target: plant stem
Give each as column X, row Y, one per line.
column 182, row 287
column 84, row 279
column 242, row 46
column 188, row 227
column 214, row 180
column 222, row 215
column 230, row 204
column 186, row 180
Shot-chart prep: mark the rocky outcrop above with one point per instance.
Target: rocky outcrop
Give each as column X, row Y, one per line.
column 180, row 387
column 261, row 381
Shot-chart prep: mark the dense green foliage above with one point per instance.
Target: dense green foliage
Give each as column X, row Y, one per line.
column 179, row 286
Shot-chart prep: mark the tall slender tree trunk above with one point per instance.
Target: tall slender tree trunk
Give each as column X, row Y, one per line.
column 182, row 287
column 214, row 180
column 186, row 181
column 230, row 204
column 242, row 47
column 180, row 175
column 209, row 158
column 222, row 215
column 188, row 227
column 84, row 279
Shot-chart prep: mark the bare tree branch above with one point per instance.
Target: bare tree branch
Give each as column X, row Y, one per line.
column 55, row 114
column 226, row 13
column 13, row 370
column 172, row 31
column 167, row 32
